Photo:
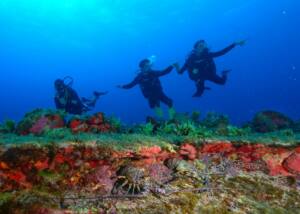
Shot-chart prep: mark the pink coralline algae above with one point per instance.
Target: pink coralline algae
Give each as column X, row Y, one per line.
column 39, row 126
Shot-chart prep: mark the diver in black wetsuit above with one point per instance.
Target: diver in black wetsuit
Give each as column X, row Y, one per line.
column 201, row 66
column 68, row 100
column 151, row 87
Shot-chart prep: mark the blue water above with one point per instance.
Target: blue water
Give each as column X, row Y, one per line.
column 100, row 42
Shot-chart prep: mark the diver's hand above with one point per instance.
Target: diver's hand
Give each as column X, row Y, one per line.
column 98, row 94
column 176, row 66
column 240, row 43
column 104, row 93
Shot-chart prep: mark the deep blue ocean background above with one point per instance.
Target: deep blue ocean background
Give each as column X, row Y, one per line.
column 100, row 42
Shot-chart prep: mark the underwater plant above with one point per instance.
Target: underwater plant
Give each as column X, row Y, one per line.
column 146, row 129
column 203, row 132
column 214, row 120
column 7, row 127
column 167, row 128
column 115, row 123
column 233, row 131
column 296, row 126
column 187, row 128
column 181, row 118
column 195, row 116
column 287, row 133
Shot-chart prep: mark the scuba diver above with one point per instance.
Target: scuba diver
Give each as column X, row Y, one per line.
column 151, row 87
column 68, row 100
column 201, row 66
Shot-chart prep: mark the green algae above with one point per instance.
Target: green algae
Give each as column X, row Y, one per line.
column 50, row 177
column 134, row 141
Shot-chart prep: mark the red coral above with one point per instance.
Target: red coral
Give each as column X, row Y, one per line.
column 16, row 176
column 19, row 177
column 62, row 158
column 77, row 125
column 260, row 150
column 149, row 152
column 69, row 149
column 220, row 147
column 41, row 165
column 93, row 163
column 104, row 127
column 188, row 151
column 59, row 158
column 122, row 154
column 95, row 124
column 250, row 153
column 297, row 150
column 56, row 121
column 96, row 119
column 3, row 165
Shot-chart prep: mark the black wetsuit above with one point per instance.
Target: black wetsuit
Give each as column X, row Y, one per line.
column 73, row 104
column 151, row 87
column 205, row 68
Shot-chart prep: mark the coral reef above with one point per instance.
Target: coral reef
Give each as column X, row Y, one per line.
column 95, row 124
column 94, row 164
column 39, row 121
column 75, row 176
column 42, row 121
column 269, row 121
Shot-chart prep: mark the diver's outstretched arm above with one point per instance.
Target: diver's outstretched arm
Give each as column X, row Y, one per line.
column 227, row 49
column 130, row 85
column 97, row 94
column 189, row 61
column 222, row 52
column 183, row 69
column 165, row 71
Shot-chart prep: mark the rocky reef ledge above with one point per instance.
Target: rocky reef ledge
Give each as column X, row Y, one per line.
column 94, row 165
column 147, row 174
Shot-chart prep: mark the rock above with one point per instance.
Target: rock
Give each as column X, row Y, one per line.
column 39, row 120
column 269, row 121
column 292, row 163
